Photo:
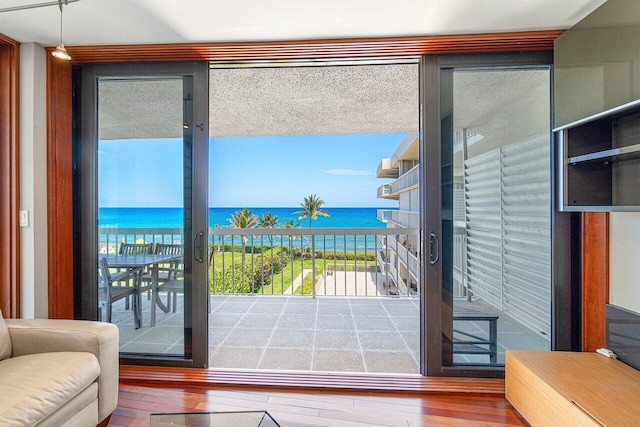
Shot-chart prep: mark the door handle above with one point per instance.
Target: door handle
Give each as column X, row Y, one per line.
column 197, row 247
column 434, row 248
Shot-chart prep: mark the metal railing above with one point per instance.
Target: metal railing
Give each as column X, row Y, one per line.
column 384, row 215
column 332, row 252
column 406, row 181
column 406, row 218
column 405, row 254
column 110, row 238
column 384, row 190
column 312, row 262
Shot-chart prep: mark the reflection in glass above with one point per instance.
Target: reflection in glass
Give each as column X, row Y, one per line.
column 496, row 213
column 142, row 152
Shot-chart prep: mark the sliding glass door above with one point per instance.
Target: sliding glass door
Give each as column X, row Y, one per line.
column 142, row 207
column 488, row 211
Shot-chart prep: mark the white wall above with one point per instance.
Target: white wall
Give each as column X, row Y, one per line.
column 415, row 200
column 624, row 256
column 33, row 180
column 404, row 201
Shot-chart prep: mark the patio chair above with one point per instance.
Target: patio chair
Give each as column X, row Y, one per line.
column 109, row 288
column 137, row 249
column 170, row 277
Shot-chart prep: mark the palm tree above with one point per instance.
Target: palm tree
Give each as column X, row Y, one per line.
column 243, row 219
column 267, row 220
column 311, row 208
column 291, row 224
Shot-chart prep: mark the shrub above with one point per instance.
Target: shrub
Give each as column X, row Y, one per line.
column 232, row 280
column 257, row 272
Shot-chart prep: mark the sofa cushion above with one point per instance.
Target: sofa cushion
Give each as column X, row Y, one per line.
column 5, row 339
column 34, row 386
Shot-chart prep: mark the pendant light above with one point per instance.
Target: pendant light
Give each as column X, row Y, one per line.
column 60, row 51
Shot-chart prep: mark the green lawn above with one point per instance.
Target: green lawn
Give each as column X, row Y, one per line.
column 281, row 281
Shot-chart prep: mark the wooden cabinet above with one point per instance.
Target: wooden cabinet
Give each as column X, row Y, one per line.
column 552, row 388
column 600, row 161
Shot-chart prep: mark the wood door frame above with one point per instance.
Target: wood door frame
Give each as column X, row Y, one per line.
column 9, row 177
column 59, row 116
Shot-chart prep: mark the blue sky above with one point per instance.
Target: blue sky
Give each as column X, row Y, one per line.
column 276, row 171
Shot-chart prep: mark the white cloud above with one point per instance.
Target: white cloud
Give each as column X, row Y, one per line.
column 350, row 172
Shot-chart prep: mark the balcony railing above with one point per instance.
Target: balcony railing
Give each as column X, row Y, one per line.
column 307, row 262
column 405, row 255
column 406, row 218
column 110, row 238
column 406, row 181
column 385, row 170
column 384, row 191
column 384, row 215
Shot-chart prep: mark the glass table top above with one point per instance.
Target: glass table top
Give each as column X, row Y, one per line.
column 213, row 419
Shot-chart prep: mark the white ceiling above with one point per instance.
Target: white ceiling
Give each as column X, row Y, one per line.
column 89, row 22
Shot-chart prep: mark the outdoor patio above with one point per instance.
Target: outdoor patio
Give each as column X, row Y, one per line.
column 325, row 334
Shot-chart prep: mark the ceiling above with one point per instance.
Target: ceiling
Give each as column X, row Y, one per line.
column 90, row 22
column 312, row 100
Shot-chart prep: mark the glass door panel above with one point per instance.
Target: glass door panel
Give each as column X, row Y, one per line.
column 141, row 197
column 496, row 213
column 141, row 216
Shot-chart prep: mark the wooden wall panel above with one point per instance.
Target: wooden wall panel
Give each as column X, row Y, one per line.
column 319, row 49
column 9, row 177
column 59, row 188
column 595, row 278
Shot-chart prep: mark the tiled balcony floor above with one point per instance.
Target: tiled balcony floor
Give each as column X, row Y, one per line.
column 326, row 334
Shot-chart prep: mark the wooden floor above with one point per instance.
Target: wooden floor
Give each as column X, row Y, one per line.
column 312, row 408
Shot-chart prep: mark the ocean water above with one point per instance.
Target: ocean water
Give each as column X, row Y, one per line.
column 141, row 218
column 173, row 217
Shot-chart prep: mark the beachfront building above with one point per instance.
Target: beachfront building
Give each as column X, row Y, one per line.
column 398, row 258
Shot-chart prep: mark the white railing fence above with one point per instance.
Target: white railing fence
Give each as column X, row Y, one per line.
column 311, row 262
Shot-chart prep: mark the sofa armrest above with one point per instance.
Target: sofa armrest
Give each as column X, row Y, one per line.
column 30, row 336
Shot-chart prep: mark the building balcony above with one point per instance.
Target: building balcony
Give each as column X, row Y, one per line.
column 385, row 192
column 406, row 182
column 407, row 150
column 385, row 170
column 405, row 219
column 406, row 256
column 384, row 215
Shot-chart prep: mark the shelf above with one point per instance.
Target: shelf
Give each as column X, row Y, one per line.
column 627, row 108
column 601, row 208
column 613, row 155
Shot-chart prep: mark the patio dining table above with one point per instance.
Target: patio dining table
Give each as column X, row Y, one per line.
column 136, row 263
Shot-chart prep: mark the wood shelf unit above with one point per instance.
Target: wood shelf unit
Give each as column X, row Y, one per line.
column 600, row 161
column 572, row 389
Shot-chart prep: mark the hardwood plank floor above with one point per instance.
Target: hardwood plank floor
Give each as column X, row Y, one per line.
column 319, row 408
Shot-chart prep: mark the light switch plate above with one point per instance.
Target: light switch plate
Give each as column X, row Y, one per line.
column 24, row 218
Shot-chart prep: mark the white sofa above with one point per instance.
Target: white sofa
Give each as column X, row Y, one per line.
column 57, row 372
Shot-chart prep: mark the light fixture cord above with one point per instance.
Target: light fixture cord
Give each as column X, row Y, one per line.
column 60, row 6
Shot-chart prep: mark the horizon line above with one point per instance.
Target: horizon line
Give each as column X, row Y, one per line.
column 242, row 207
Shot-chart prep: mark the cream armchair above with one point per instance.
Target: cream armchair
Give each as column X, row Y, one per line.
column 57, row 372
